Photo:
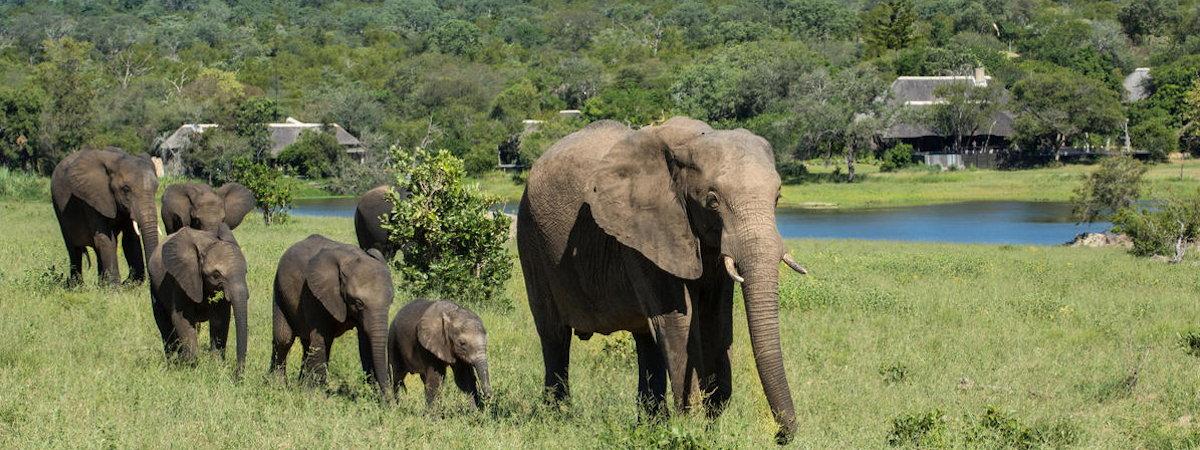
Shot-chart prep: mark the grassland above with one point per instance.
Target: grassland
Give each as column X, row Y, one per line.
column 954, row 345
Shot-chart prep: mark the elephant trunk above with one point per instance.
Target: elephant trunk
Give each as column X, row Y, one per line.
column 759, row 251
column 147, row 223
column 239, row 296
column 377, row 333
column 485, row 381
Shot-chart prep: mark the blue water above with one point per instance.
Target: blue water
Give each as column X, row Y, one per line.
column 1037, row 223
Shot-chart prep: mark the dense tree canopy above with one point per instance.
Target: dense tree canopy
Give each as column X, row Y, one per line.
column 460, row 75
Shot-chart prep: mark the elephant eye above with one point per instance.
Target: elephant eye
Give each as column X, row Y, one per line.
column 711, row 201
column 126, row 189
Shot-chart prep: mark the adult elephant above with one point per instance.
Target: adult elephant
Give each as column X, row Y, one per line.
column 100, row 196
column 368, row 226
column 646, row 231
column 199, row 206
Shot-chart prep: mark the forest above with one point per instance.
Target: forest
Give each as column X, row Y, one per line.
column 811, row 76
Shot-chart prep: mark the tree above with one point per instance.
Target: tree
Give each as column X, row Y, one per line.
column 273, row 191
column 1140, row 18
column 1155, row 136
column 1114, row 186
column 840, row 114
column 449, row 241
column 1190, row 134
column 250, row 121
column 315, row 154
column 1057, row 109
column 70, row 80
column 963, row 110
column 20, row 113
column 890, row 25
column 1168, row 230
column 456, row 37
column 820, row 19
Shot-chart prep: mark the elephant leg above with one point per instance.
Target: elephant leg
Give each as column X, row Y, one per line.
column 165, row 328
column 106, row 258
column 397, row 367
column 672, row 332
column 556, row 355
column 365, row 357
column 433, row 383
column 464, row 378
column 714, row 319
column 186, row 333
column 218, row 328
column 652, row 375
column 76, row 255
column 281, row 343
column 314, row 368
column 132, row 245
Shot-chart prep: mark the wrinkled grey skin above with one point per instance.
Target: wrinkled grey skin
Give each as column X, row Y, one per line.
column 199, row 206
column 186, row 272
column 626, row 230
column 99, row 196
column 428, row 336
column 324, row 288
column 368, row 226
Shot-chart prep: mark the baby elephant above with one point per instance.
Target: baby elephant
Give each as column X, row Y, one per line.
column 427, row 336
column 324, row 288
column 186, row 272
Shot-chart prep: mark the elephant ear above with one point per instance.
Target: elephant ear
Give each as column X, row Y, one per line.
column 89, row 178
column 325, row 278
column 239, row 201
column 633, row 198
column 181, row 256
column 431, row 333
column 176, row 204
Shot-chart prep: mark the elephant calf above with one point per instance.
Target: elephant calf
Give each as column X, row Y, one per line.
column 323, row 288
column 186, row 273
column 427, row 336
column 199, row 206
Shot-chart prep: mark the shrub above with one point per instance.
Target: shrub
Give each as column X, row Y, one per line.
column 1155, row 136
column 449, row 242
column 897, row 157
column 316, row 154
column 1111, row 188
column 353, row 178
column 1164, row 231
column 918, row 430
column 792, row 171
column 1190, row 342
column 273, row 191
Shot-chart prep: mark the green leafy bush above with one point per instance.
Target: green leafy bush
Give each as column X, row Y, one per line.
column 449, row 241
column 315, row 154
column 1111, row 188
column 1164, row 231
column 917, row 430
column 273, row 191
column 1155, row 136
column 897, row 157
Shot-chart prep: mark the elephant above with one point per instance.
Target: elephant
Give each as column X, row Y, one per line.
column 199, row 206
column 100, row 196
column 647, row 231
column 186, row 274
column 368, row 226
column 323, row 288
column 428, row 336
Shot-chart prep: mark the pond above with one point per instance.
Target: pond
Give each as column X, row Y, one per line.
column 1037, row 223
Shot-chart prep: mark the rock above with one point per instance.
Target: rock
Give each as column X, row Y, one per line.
column 1101, row 240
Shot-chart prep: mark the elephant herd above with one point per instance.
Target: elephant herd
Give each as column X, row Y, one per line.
column 646, row 231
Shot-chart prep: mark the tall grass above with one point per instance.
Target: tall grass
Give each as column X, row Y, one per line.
column 19, row 185
column 946, row 345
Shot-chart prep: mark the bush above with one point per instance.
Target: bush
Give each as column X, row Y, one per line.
column 1111, row 188
column 1155, row 136
column 897, row 157
column 449, row 242
column 273, row 191
column 1164, row 231
column 792, row 171
column 316, row 154
column 353, row 178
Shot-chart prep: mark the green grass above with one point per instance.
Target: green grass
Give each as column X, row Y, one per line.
column 920, row 186
column 953, row 345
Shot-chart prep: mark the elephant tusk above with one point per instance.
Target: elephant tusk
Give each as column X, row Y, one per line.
column 136, row 230
column 733, row 273
column 787, row 259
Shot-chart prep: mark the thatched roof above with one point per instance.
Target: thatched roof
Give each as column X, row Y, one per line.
column 1136, row 83
column 918, row 92
column 283, row 134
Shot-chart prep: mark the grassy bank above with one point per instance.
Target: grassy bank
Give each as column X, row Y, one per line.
column 974, row 346
column 920, row 186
